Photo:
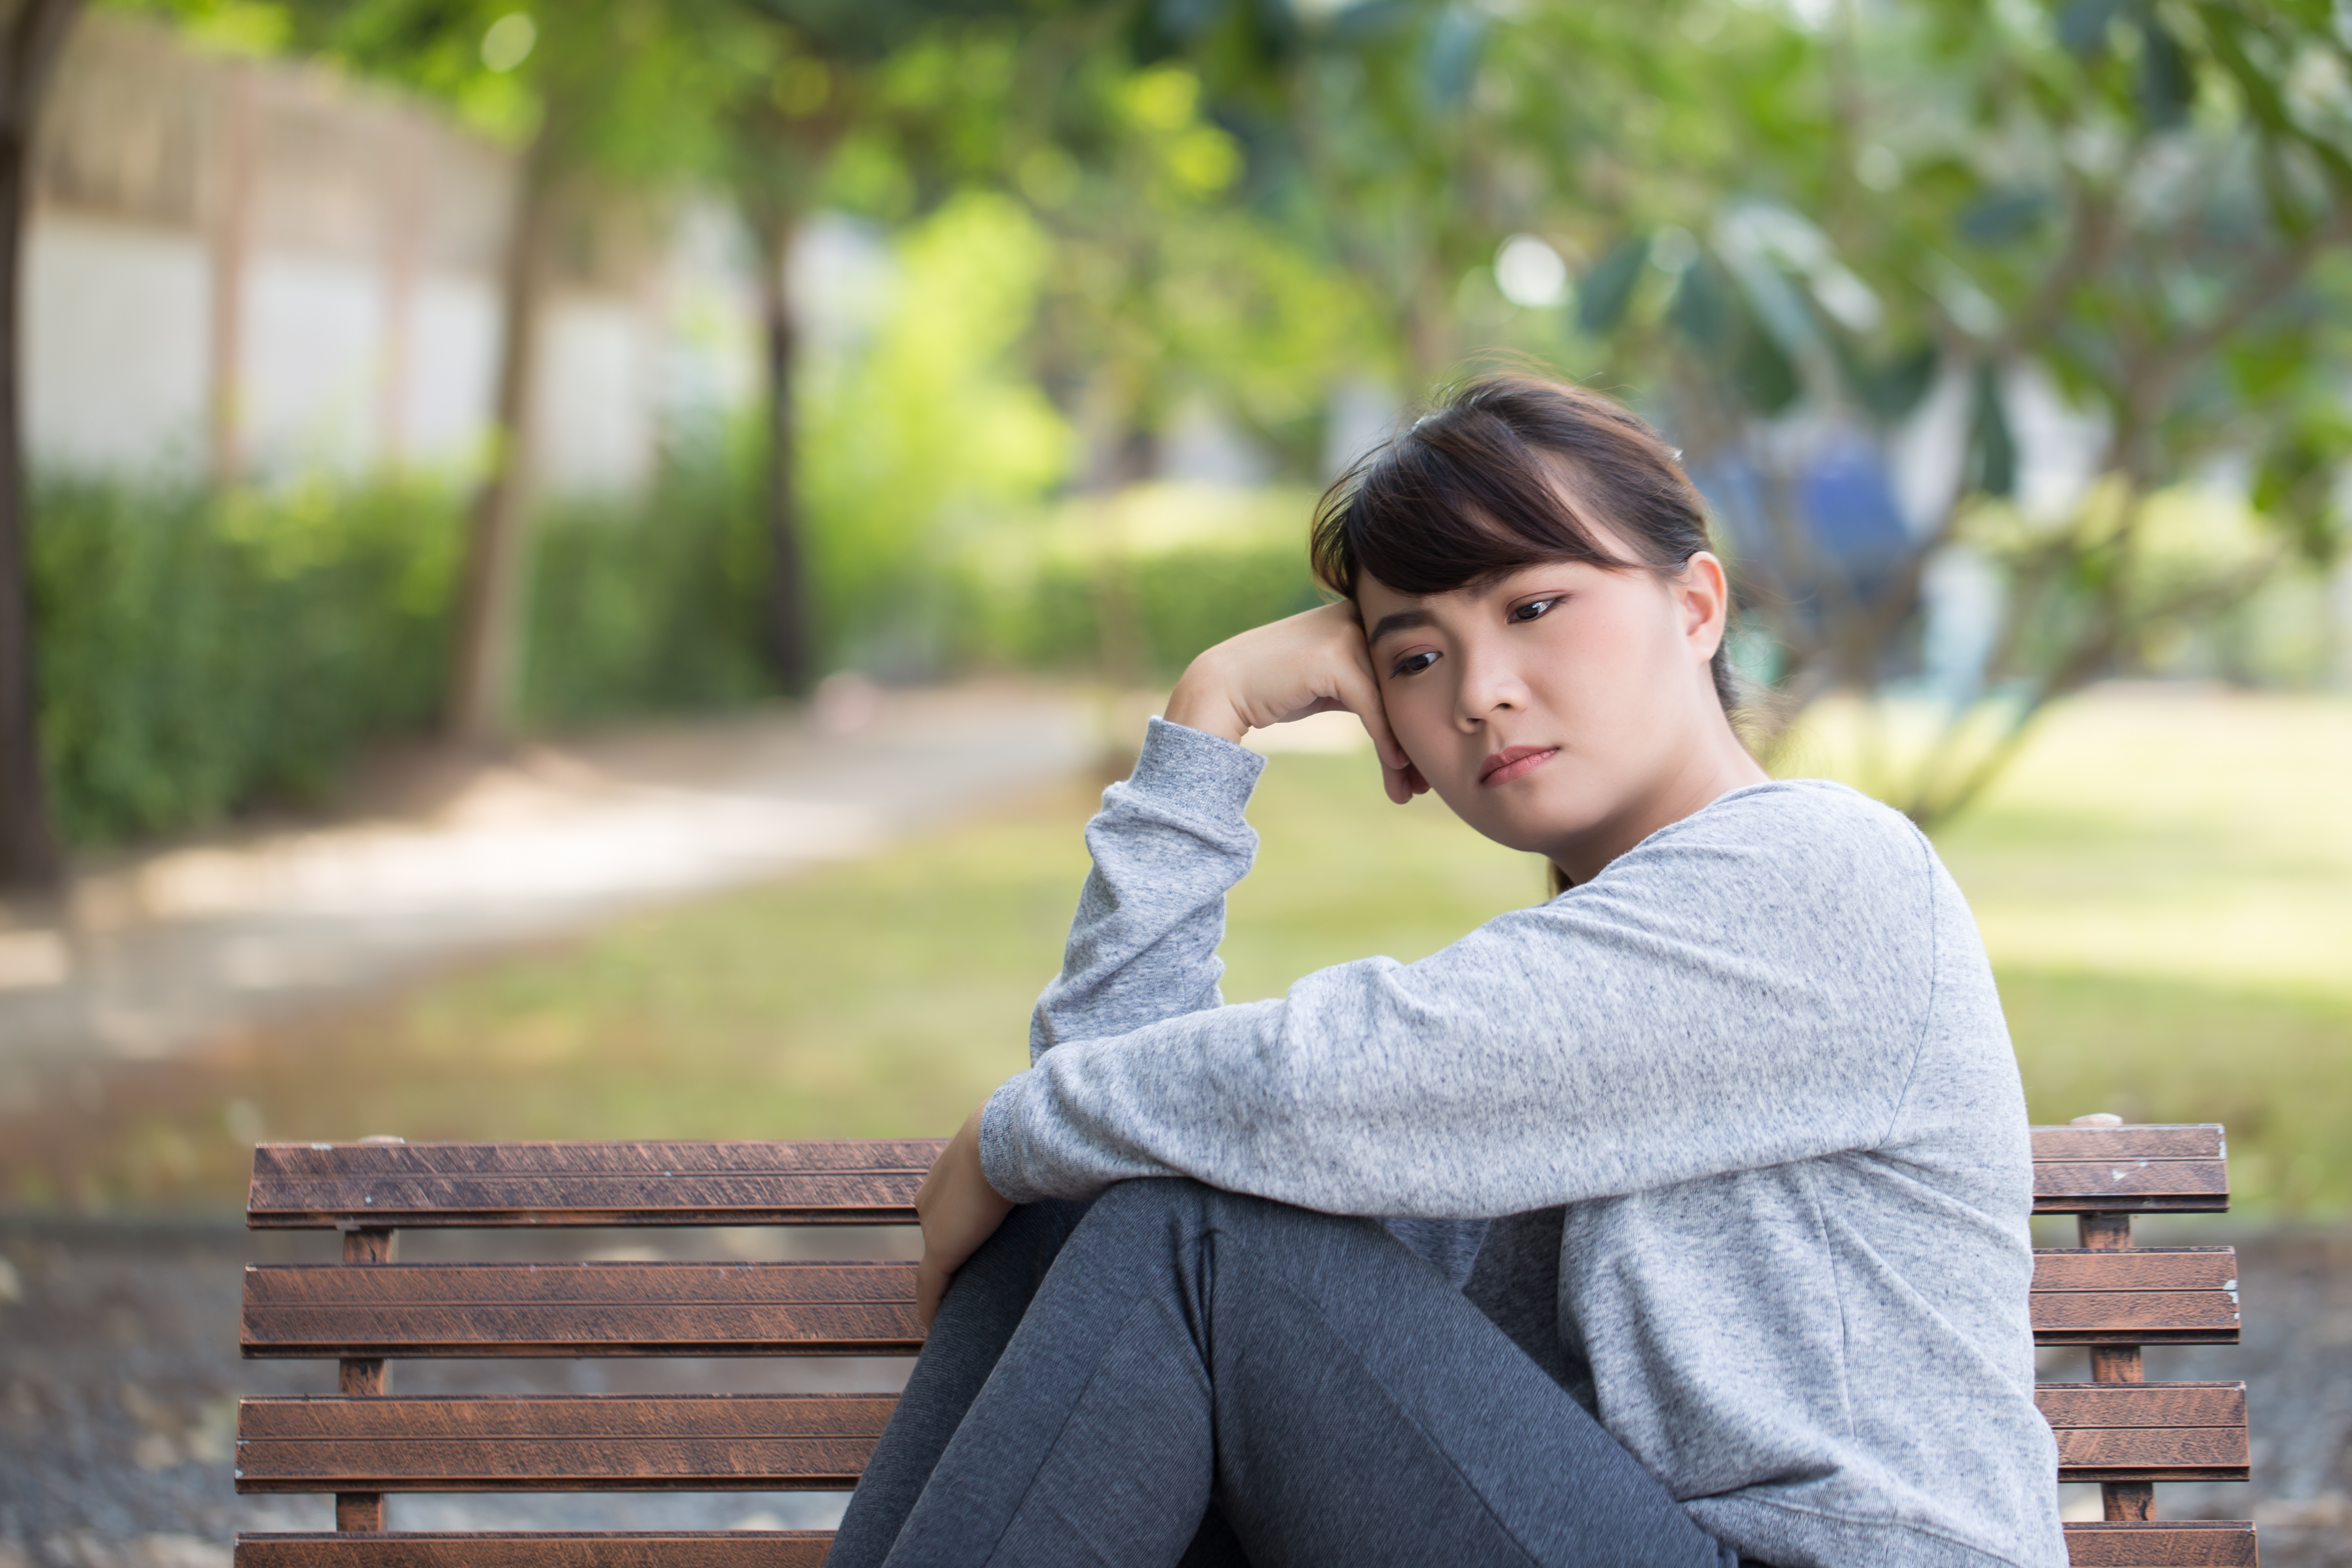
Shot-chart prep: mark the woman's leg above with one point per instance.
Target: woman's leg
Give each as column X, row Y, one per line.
column 985, row 1305
column 1332, row 1394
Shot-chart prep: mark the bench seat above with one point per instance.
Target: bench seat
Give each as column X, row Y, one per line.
column 365, row 1443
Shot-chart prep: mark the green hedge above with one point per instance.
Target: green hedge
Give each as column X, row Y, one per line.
column 1190, row 565
column 202, row 650
column 197, row 650
column 648, row 606
column 1182, row 601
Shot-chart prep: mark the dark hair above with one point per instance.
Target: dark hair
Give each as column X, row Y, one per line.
column 1493, row 479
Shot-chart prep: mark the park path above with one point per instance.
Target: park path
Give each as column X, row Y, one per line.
column 433, row 860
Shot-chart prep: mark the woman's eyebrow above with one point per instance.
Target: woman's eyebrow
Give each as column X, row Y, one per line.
column 1402, row 621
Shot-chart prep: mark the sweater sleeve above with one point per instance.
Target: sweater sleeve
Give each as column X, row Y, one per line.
column 1747, row 987
column 1167, row 845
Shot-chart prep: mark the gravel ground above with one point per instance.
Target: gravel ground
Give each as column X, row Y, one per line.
column 118, row 1377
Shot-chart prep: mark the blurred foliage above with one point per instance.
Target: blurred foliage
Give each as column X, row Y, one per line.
column 924, row 424
column 203, row 651
column 199, row 650
column 1196, row 564
column 2012, row 240
column 647, row 605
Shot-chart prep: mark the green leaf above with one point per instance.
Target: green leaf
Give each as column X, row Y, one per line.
column 2295, row 484
column 1992, row 445
column 1705, row 310
column 1607, row 290
column 2167, row 83
column 1890, row 390
column 1765, row 375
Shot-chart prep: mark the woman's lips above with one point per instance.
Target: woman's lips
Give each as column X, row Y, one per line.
column 1515, row 762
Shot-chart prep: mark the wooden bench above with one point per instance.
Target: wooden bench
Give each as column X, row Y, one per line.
column 364, row 1441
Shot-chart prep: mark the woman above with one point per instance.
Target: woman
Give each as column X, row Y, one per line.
column 1706, row 1181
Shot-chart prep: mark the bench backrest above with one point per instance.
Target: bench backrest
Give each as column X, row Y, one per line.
column 365, row 1442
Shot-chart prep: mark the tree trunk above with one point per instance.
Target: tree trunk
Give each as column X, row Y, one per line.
column 486, row 675
column 35, row 30
column 789, row 639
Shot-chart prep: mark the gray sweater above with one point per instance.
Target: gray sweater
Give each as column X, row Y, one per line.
column 1742, row 1111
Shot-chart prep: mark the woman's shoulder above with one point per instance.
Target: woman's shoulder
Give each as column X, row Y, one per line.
column 1803, row 853
column 1804, row 816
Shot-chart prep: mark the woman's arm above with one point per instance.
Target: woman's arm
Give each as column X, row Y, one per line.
column 1747, row 988
column 1171, row 841
column 1167, row 846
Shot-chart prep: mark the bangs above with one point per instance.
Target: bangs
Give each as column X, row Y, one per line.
column 1512, row 473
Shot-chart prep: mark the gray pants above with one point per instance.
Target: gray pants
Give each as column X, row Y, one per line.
column 1178, row 1375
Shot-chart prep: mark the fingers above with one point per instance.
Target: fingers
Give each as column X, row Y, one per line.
column 931, row 1290
column 1359, row 693
column 959, row 1211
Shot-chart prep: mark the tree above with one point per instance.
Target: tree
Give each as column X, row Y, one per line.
column 816, row 76
column 2142, row 208
column 601, row 98
column 32, row 32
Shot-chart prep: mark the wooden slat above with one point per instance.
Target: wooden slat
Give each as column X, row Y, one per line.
column 850, row 1181
column 2184, row 1543
column 2148, row 1431
column 844, row 1182
column 2135, row 1170
column 581, row 1310
column 552, row 1549
column 587, row 1442
column 2158, row 1141
column 2148, row 1295
column 2132, row 1186
column 863, row 1181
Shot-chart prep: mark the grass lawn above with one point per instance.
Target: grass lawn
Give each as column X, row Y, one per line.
column 2164, row 883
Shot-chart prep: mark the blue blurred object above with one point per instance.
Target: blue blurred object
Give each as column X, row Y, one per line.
column 1840, row 531
column 1825, row 539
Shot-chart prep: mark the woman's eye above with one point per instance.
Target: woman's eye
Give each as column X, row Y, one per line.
column 1413, row 663
column 1533, row 609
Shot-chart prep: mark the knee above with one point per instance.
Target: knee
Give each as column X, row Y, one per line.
column 1186, row 1206
column 1149, row 1197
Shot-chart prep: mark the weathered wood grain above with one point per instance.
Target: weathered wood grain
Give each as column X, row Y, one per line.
column 840, row 1182
column 552, row 1549
column 581, row 1310
column 2151, row 1295
column 2184, row 1543
column 2138, row 1186
column 868, row 1182
column 2148, row 1431
column 2144, row 1404
column 2159, row 1140
column 767, row 1442
column 2155, row 1295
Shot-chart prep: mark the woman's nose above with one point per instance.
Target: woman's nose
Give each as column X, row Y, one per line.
column 1489, row 686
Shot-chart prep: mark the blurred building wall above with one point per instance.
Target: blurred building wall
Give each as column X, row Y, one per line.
column 253, row 268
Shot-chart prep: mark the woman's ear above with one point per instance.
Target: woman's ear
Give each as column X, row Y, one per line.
column 1705, row 593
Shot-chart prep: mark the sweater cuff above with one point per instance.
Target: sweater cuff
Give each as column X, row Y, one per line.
column 998, row 1160
column 1202, row 774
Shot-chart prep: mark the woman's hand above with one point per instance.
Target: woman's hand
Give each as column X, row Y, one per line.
column 959, row 1210
column 1315, row 662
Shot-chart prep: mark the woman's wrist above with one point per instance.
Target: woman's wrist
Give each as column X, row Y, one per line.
column 1198, row 703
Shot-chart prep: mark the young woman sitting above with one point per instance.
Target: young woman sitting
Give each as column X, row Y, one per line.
column 1704, row 1186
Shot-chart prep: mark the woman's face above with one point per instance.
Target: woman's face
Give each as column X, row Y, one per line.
column 1562, row 706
